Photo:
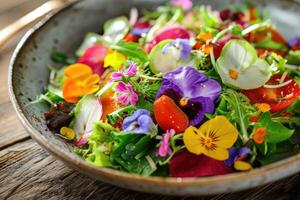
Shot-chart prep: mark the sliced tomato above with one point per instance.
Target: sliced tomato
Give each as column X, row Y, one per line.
column 278, row 98
column 169, row 116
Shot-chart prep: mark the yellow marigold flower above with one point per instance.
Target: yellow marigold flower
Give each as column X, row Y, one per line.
column 79, row 81
column 263, row 107
column 114, row 60
column 212, row 139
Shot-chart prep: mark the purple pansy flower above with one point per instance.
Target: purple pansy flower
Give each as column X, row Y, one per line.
column 294, row 43
column 235, row 153
column 140, row 122
column 126, row 94
column 183, row 45
column 193, row 91
column 164, row 148
column 131, row 71
column 185, row 4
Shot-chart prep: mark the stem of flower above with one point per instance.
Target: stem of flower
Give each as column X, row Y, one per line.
column 149, row 77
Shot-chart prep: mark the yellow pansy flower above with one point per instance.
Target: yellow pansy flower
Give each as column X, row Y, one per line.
column 212, row 139
column 242, row 165
column 114, row 60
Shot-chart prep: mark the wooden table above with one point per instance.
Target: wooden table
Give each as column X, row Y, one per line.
column 29, row 172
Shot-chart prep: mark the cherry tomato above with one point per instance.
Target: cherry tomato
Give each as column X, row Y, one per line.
column 169, row 116
column 278, row 98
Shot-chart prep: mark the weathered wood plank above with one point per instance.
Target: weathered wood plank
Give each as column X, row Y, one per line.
column 28, row 172
column 11, row 129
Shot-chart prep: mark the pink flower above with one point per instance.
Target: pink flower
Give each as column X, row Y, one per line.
column 164, row 148
column 185, row 4
column 126, row 94
column 131, row 71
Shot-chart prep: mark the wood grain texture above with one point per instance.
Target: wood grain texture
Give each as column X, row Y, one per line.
column 28, row 172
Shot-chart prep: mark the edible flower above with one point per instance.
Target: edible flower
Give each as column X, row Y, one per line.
column 114, row 60
column 240, row 67
column 94, row 58
column 139, row 122
column 164, row 148
column 263, row 107
column 259, row 135
column 204, row 42
column 192, row 91
column 182, row 45
column 185, row 164
column 79, row 81
column 235, row 154
column 294, row 43
column 126, row 94
column 212, row 139
column 131, row 71
column 185, row 4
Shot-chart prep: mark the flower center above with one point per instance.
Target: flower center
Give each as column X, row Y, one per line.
column 183, row 101
column 209, row 141
column 233, row 74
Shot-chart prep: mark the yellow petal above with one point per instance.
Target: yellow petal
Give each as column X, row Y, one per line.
column 78, row 71
column 242, row 166
column 93, row 79
column 263, row 107
column 191, row 140
column 90, row 89
column 217, row 154
column 224, row 131
column 67, row 132
column 115, row 60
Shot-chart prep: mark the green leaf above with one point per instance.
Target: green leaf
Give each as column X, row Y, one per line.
column 132, row 50
column 90, row 39
column 276, row 132
column 293, row 57
column 60, row 57
column 270, row 44
column 115, row 29
column 208, row 18
column 131, row 152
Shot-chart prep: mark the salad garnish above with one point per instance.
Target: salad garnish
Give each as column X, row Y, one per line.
column 180, row 91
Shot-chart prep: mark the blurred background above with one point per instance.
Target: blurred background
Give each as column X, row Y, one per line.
column 11, row 10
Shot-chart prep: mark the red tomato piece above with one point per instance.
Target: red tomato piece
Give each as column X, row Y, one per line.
column 278, row 98
column 169, row 116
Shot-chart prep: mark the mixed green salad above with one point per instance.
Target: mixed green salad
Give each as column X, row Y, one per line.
column 182, row 91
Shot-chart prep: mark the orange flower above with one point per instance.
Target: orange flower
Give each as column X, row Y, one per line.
column 259, row 135
column 79, row 81
column 204, row 42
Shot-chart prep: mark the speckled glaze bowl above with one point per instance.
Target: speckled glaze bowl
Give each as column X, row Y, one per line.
column 28, row 75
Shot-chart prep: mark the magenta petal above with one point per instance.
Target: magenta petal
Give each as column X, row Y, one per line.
column 83, row 139
column 186, row 164
column 94, row 57
column 121, row 87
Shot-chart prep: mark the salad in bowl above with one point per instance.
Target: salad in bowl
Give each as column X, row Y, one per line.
column 181, row 91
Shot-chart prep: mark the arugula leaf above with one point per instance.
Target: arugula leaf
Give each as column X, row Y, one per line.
column 131, row 153
column 276, row 132
column 241, row 111
column 60, row 57
column 132, row 50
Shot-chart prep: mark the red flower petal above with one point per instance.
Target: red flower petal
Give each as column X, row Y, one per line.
column 94, row 57
column 186, row 164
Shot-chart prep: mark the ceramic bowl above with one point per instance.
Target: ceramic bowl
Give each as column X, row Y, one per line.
column 64, row 31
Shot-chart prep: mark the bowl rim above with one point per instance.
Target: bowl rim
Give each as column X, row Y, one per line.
column 252, row 176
